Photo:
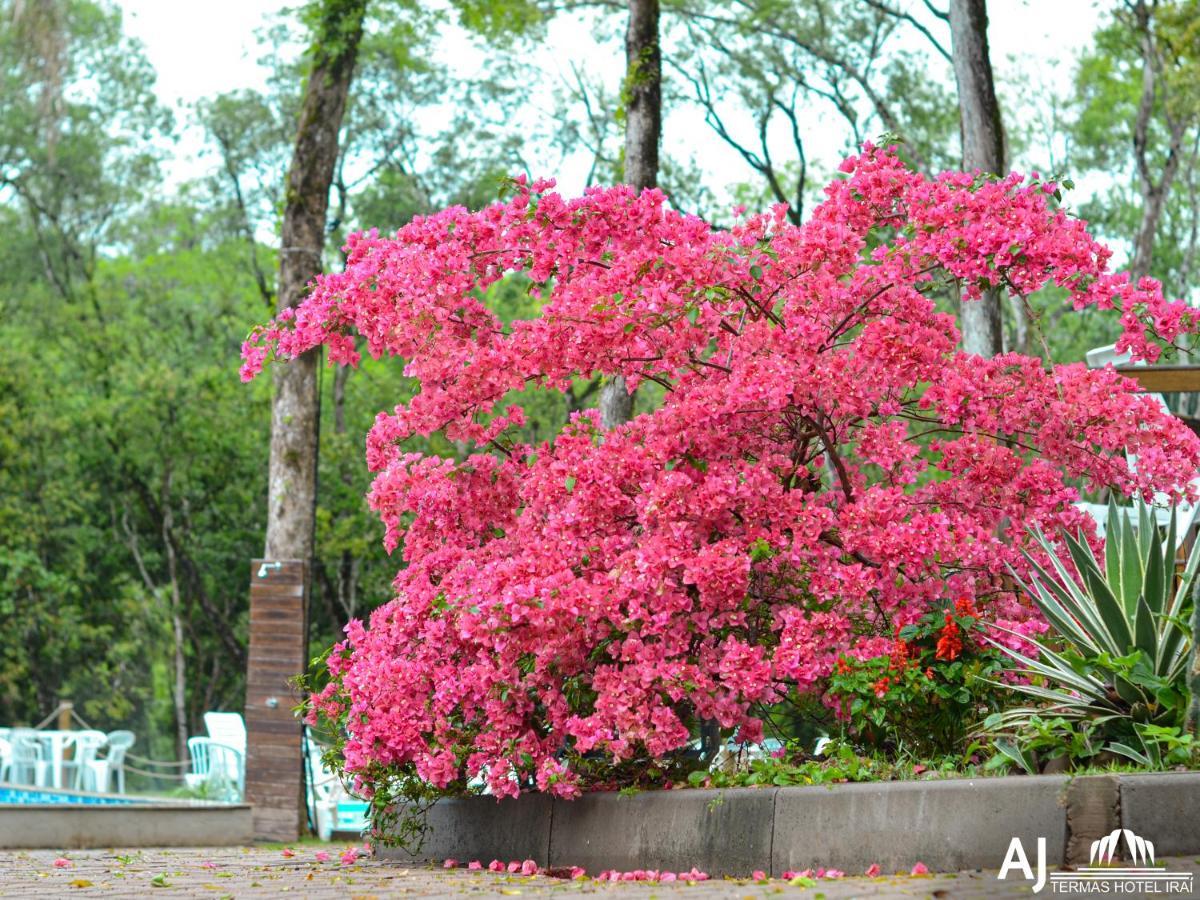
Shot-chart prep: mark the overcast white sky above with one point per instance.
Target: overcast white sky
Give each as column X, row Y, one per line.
column 202, row 47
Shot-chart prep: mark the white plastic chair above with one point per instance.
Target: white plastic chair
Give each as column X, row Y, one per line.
column 100, row 772
column 335, row 809
column 29, row 765
column 85, row 747
column 217, row 766
column 6, row 758
column 325, row 792
column 227, row 728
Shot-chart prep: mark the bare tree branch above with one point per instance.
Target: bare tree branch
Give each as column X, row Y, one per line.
column 888, row 9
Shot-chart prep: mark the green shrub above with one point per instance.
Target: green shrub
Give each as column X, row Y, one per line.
column 926, row 697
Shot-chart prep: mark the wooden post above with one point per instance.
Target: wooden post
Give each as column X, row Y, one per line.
column 65, row 708
column 278, row 653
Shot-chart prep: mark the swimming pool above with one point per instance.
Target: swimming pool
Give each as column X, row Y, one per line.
column 36, row 796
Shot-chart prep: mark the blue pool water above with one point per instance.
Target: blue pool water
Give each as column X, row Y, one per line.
column 351, row 816
column 37, row 796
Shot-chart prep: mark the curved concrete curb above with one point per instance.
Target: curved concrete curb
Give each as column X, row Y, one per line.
column 1164, row 808
column 949, row 825
column 729, row 830
column 466, row 828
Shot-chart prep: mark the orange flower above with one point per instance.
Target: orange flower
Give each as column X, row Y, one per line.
column 881, row 686
column 949, row 645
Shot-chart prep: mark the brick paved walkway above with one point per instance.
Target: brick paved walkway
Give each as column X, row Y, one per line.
column 260, row 872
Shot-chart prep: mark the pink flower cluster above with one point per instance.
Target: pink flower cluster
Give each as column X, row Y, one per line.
column 652, row 875
column 526, row 867
column 821, row 872
column 824, row 466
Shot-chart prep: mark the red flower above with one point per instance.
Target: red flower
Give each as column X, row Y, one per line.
column 949, row 645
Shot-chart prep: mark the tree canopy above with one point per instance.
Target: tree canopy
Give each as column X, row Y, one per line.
column 132, row 461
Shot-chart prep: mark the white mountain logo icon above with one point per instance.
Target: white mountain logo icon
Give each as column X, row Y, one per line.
column 1103, row 850
column 1139, row 878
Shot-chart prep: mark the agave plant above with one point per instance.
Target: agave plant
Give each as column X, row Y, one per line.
column 1116, row 661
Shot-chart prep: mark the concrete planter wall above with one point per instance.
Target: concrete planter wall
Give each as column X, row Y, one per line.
column 948, row 825
column 83, row 826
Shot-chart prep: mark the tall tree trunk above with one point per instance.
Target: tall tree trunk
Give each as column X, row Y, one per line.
column 982, row 146
column 1020, row 336
column 1153, row 200
column 274, row 745
column 179, row 685
column 174, row 602
column 643, row 94
column 643, row 131
column 293, row 467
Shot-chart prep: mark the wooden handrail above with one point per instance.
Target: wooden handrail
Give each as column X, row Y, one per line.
column 1183, row 379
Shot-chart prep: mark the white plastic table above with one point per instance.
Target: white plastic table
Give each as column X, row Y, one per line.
column 55, row 742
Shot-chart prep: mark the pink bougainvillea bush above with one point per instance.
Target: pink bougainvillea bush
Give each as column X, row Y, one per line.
column 826, row 466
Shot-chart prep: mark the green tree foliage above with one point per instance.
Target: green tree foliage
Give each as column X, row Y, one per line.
column 130, row 474
column 399, row 157
column 1138, row 122
column 132, row 462
column 131, row 489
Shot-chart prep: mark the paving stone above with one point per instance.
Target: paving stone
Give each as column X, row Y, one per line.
column 254, row 872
